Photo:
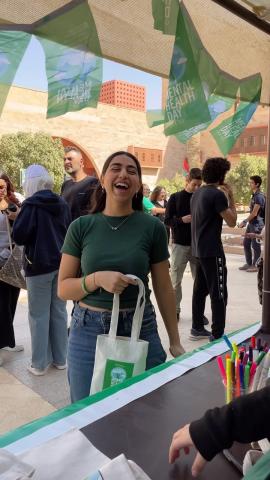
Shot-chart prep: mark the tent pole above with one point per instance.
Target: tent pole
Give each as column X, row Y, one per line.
column 242, row 12
column 266, row 274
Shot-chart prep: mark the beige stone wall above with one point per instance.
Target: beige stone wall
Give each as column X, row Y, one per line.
column 99, row 131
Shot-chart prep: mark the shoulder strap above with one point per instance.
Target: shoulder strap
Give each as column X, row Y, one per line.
column 9, row 232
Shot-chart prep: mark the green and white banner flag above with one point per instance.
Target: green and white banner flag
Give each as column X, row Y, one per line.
column 186, row 104
column 12, row 48
column 73, row 60
column 165, row 14
column 230, row 129
column 199, row 91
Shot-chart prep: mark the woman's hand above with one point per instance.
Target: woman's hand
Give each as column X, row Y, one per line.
column 182, row 439
column 12, row 215
column 113, row 282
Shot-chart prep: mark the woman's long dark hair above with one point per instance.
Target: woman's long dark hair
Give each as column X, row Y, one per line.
column 155, row 193
column 10, row 190
column 99, row 197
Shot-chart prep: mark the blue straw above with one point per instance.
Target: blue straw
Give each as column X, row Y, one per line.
column 228, row 342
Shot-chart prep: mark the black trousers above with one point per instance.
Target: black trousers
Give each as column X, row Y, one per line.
column 260, row 280
column 8, row 302
column 211, row 278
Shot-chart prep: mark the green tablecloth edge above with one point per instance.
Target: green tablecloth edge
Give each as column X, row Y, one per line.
column 29, row 428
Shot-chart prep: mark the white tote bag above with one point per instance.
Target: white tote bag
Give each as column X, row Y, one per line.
column 119, row 358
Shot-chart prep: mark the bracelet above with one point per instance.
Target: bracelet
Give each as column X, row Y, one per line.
column 83, row 285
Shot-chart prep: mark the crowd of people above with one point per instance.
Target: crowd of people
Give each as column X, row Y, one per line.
column 75, row 248
column 88, row 258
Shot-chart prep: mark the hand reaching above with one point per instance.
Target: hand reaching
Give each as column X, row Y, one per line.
column 182, row 440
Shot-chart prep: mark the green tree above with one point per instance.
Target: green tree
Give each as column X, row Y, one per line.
column 174, row 185
column 239, row 176
column 22, row 149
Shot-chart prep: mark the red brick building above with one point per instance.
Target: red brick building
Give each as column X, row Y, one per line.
column 252, row 141
column 123, row 94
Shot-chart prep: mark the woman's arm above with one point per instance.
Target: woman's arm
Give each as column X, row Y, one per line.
column 70, row 287
column 166, row 303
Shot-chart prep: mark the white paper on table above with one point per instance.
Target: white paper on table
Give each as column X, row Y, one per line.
column 70, row 456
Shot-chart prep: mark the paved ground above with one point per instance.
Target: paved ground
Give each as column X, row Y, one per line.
column 24, row 397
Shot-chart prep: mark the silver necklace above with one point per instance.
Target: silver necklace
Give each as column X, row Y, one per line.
column 117, row 227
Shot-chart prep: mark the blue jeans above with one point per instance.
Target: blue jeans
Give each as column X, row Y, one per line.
column 256, row 246
column 86, row 325
column 47, row 320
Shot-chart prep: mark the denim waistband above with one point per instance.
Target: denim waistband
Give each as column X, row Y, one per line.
column 87, row 312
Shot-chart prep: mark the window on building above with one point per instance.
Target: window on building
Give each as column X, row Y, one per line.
column 262, row 140
column 242, row 142
column 251, row 140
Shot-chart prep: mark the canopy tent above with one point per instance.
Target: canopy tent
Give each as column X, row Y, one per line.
column 234, row 32
column 127, row 35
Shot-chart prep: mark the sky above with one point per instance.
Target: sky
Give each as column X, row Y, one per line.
column 32, row 74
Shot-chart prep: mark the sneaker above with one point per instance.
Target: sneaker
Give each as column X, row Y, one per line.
column 37, row 371
column 252, row 269
column 199, row 334
column 60, row 367
column 17, row 348
column 205, row 320
column 245, row 267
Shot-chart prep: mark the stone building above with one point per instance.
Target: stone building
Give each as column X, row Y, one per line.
column 97, row 132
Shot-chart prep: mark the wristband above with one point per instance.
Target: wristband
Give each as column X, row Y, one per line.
column 245, row 221
column 83, row 285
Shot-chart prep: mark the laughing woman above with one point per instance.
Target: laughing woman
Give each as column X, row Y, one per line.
column 116, row 239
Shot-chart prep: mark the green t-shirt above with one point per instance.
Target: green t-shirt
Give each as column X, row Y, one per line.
column 139, row 242
column 147, row 205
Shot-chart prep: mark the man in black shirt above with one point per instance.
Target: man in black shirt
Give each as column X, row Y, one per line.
column 79, row 189
column 211, row 204
column 178, row 217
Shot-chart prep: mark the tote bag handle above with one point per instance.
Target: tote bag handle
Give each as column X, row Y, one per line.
column 9, row 233
column 138, row 314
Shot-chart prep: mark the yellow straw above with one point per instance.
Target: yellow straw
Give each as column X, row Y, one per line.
column 229, row 380
column 235, row 349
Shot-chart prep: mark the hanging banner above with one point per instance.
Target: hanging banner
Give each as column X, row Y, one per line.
column 230, row 129
column 186, row 104
column 199, row 91
column 12, row 48
column 165, row 14
column 73, row 60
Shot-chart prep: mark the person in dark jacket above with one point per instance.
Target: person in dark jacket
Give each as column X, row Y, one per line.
column 41, row 227
column 245, row 419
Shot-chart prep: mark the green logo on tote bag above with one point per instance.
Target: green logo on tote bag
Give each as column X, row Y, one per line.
column 116, row 372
